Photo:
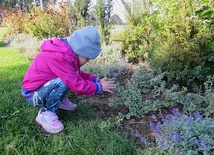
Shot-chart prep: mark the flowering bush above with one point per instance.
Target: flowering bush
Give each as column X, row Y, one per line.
column 185, row 135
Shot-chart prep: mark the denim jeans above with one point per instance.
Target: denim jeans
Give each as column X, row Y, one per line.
column 49, row 95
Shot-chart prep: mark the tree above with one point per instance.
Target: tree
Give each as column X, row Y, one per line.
column 24, row 5
column 79, row 12
column 102, row 13
column 115, row 19
column 7, row 3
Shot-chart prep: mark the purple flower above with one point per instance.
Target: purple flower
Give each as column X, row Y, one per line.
column 143, row 141
column 169, row 116
column 158, row 127
column 162, row 144
column 151, row 125
column 190, row 120
column 177, row 137
column 178, row 153
column 176, row 112
column 137, row 134
column 115, row 74
column 198, row 115
column 197, row 142
column 154, row 117
column 161, row 115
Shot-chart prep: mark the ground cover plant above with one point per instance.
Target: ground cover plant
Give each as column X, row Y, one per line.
column 182, row 134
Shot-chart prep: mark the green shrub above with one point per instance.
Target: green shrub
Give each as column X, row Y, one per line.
column 186, row 51
column 192, row 102
column 134, row 43
column 177, row 37
column 47, row 23
column 147, row 91
column 138, row 39
column 40, row 23
column 14, row 21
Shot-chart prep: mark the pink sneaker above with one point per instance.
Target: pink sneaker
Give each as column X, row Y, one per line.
column 67, row 105
column 49, row 121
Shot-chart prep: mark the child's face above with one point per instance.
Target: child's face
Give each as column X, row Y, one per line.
column 82, row 60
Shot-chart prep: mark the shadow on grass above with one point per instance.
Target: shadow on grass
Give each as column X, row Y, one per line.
column 83, row 112
column 2, row 44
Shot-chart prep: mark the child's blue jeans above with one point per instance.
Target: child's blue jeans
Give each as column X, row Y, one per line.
column 49, row 95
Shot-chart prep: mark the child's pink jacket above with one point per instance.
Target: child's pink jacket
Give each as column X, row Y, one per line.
column 57, row 59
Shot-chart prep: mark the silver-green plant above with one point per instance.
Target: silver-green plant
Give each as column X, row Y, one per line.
column 25, row 43
column 202, row 101
column 142, row 83
column 180, row 134
column 110, row 63
column 209, row 96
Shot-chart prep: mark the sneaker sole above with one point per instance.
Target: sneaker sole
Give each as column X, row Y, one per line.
column 48, row 129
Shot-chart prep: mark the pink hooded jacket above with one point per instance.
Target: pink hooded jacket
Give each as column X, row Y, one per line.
column 57, row 60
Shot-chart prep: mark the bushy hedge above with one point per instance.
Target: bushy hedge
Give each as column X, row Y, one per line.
column 176, row 36
column 14, row 21
column 40, row 23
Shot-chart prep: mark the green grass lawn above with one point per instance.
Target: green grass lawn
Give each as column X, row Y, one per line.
column 20, row 134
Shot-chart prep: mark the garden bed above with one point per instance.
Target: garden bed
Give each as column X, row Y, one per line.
column 154, row 113
column 134, row 125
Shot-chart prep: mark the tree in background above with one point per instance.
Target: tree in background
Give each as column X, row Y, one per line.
column 24, row 5
column 102, row 12
column 115, row 19
column 80, row 13
column 7, row 3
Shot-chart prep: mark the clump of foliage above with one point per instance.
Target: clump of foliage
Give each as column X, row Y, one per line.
column 14, row 21
column 39, row 23
column 103, row 11
column 138, row 39
column 175, row 36
column 186, row 45
column 142, row 83
column 47, row 23
column 80, row 13
column 158, row 94
column 192, row 102
column 25, row 43
column 55, row 21
column 181, row 134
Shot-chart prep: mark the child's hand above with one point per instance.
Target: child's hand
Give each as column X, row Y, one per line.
column 107, row 85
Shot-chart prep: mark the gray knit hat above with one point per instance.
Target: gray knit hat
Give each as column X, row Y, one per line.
column 85, row 42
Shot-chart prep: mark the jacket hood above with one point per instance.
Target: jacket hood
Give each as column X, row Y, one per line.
column 56, row 45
